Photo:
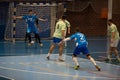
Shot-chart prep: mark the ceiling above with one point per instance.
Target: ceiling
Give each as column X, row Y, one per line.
column 35, row 0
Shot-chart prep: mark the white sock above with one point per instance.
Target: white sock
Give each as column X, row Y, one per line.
column 60, row 57
column 48, row 54
column 109, row 57
column 93, row 61
column 76, row 61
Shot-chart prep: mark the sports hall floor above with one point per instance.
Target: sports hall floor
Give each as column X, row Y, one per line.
column 21, row 62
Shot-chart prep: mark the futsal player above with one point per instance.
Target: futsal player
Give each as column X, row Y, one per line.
column 68, row 25
column 114, row 39
column 37, row 25
column 81, row 46
column 59, row 35
column 31, row 28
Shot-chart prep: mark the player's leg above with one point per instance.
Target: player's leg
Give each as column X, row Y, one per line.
column 26, row 37
column 29, row 35
column 93, row 61
column 85, row 51
column 115, row 49
column 37, row 36
column 51, row 48
column 61, row 46
column 110, row 53
column 29, row 38
column 74, row 57
column 116, row 53
column 50, row 51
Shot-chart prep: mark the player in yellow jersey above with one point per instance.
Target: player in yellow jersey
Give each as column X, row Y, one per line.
column 59, row 35
column 114, row 39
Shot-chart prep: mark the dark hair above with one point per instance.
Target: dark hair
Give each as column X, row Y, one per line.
column 63, row 17
column 29, row 10
column 110, row 20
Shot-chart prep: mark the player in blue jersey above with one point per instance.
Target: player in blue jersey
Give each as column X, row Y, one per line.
column 31, row 26
column 81, row 46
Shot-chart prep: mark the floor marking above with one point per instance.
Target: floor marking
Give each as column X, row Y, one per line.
column 6, row 77
column 56, row 74
column 46, row 69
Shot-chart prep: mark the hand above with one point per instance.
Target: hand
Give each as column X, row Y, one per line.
column 45, row 19
column 68, row 32
column 14, row 17
column 61, row 42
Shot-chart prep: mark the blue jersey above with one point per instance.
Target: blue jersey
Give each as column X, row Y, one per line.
column 80, row 39
column 30, row 19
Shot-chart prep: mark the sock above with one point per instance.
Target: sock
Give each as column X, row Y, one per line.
column 76, row 61
column 93, row 61
column 60, row 57
column 48, row 54
column 109, row 57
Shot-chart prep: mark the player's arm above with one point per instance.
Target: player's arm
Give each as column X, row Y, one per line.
column 112, row 36
column 68, row 26
column 17, row 17
column 68, row 30
column 63, row 34
column 42, row 19
column 64, row 40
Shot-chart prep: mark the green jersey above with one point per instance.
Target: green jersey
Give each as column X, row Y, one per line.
column 60, row 26
column 112, row 29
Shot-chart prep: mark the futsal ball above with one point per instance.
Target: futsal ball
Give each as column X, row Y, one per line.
column 32, row 42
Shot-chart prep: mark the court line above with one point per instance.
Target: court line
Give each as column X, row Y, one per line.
column 53, row 70
column 21, row 70
column 7, row 77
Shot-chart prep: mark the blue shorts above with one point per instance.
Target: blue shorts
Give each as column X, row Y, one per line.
column 80, row 49
column 32, row 29
column 56, row 40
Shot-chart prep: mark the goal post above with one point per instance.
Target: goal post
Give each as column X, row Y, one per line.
column 18, row 27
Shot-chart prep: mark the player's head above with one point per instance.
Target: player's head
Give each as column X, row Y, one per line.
column 110, row 21
column 63, row 17
column 35, row 13
column 30, row 12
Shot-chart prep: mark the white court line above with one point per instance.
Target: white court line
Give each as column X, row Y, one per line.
column 6, row 77
column 67, row 75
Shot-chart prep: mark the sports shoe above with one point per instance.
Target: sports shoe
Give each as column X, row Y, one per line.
column 41, row 44
column 61, row 60
column 97, row 67
column 48, row 58
column 76, row 67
